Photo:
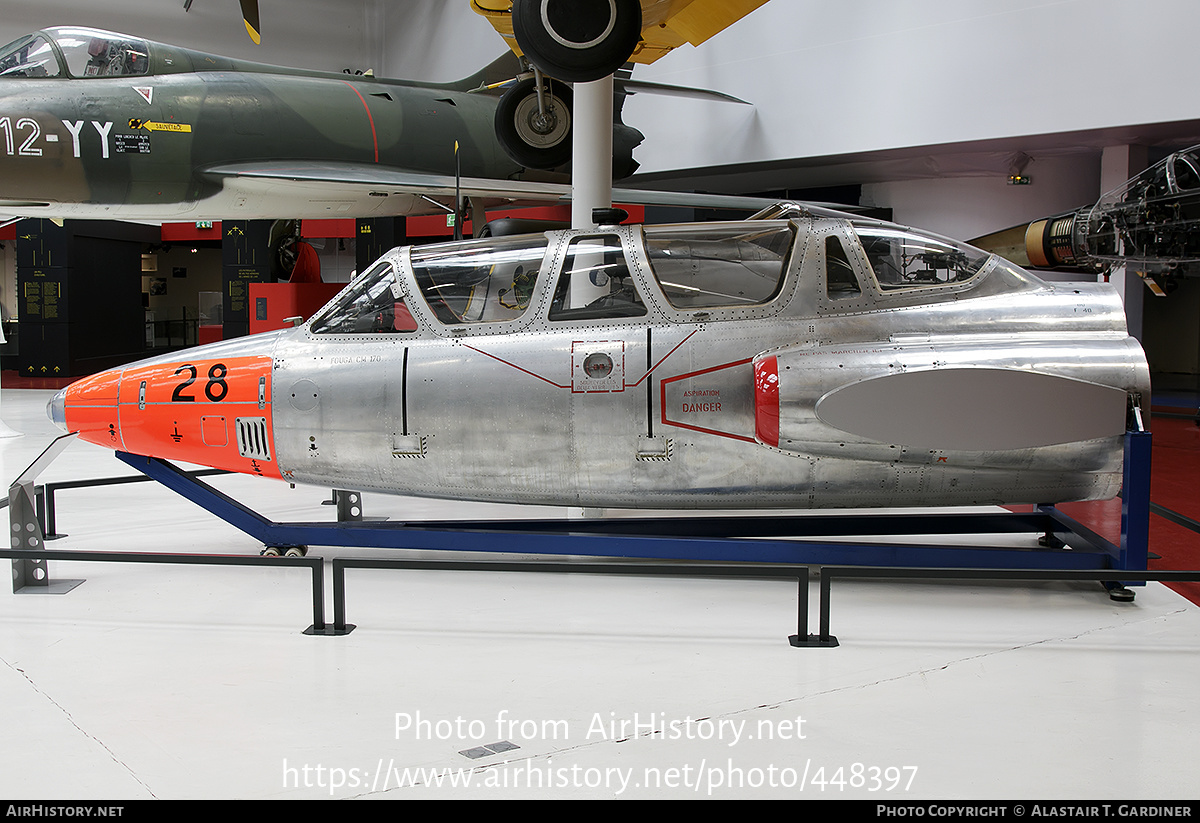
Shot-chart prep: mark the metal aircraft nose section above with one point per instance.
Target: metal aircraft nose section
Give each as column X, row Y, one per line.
column 56, row 410
column 89, row 406
column 211, row 410
column 210, row 406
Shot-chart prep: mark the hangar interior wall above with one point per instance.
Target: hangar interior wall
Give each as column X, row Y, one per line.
column 834, row 78
column 1171, row 334
column 1059, row 184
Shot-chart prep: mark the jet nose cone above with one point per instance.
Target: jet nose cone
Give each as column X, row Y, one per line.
column 56, row 410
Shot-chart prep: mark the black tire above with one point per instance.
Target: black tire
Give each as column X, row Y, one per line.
column 577, row 40
column 529, row 143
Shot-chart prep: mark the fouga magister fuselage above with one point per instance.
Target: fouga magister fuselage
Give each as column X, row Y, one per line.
column 802, row 359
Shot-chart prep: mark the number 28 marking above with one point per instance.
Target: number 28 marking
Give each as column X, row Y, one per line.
column 215, row 389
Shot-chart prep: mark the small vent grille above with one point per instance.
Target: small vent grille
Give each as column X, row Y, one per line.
column 252, row 438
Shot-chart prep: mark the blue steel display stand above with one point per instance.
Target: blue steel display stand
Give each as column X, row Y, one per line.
column 795, row 539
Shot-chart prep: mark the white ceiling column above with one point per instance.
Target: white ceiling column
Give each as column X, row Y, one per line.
column 591, row 138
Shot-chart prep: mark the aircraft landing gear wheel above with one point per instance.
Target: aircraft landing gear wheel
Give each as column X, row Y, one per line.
column 577, row 40
column 534, row 140
column 270, row 551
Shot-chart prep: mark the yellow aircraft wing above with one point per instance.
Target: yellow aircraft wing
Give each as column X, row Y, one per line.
column 666, row 24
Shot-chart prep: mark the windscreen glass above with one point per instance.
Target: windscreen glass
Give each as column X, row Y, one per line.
column 31, row 56
column 707, row 268
column 369, row 305
column 93, row 53
column 488, row 281
column 905, row 259
column 595, row 282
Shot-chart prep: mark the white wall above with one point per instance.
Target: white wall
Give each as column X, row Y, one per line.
column 867, row 75
column 830, row 79
column 436, row 41
column 969, row 207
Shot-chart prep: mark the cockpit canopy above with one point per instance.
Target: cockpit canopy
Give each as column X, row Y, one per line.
column 68, row 51
column 714, row 271
column 902, row 258
column 1176, row 175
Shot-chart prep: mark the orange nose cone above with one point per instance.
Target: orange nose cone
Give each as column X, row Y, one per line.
column 89, row 406
column 212, row 412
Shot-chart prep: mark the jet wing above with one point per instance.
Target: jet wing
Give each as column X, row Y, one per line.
column 318, row 190
column 630, row 86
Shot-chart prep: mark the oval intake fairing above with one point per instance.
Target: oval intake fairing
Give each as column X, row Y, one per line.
column 1013, row 396
column 975, row 409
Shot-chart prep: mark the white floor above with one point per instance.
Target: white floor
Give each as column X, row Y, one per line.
column 197, row 682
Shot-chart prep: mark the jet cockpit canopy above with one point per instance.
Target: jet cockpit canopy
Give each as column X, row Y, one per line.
column 70, row 51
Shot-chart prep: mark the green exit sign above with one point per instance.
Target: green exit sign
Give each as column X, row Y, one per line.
column 204, row 224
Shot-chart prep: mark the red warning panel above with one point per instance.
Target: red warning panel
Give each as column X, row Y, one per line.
column 213, row 412
column 718, row 400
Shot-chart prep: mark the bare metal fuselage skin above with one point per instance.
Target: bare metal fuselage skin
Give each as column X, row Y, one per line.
column 827, row 389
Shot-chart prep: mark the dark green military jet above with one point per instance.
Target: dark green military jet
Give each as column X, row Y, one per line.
column 95, row 124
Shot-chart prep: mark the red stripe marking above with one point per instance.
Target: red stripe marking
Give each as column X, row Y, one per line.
column 626, row 385
column 515, row 366
column 660, row 362
column 703, row 430
column 662, row 402
column 370, row 119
